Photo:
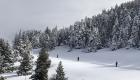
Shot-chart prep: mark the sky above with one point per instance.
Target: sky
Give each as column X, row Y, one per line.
column 38, row 14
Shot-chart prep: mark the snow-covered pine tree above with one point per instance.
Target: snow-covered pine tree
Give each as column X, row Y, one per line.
column 55, row 36
column 48, row 31
column 51, row 35
column 23, row 48
column 6, row 55
column 77, row 35
column 51, row 43
column 44, row 40
column 48, row 39
column 125, row 27
column 86, row 35
column 17, row 45
column 60, row 74
column 22, row 45
column 134, row 38
column 95, row 41
column 27, row 44
column 1, row 62
column 71, row 41
column 62, row 36
column 138, row 45
column 102, row 24
column 43, row 63
column 87, row 31
column 26, row 65
column 33, row 36
column 52, row 38
column 115, row 36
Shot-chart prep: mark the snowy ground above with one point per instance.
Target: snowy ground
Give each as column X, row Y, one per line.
column 128, row 59
column 92, row 66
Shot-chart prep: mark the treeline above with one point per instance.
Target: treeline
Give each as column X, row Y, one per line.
column 115, row 28
column 38, row 39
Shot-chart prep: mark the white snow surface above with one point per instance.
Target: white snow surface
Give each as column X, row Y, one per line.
column 92, row 66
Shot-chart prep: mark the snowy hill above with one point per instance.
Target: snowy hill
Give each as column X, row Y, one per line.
column 97, row 66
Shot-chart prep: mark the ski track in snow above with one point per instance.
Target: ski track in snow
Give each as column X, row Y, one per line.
column 92, row 66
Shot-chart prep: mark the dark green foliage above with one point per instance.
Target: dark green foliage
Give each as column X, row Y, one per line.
column 33, row 36
column 22, row 44
column 48, row 31
column 48, row 39
column 44, row 40
column 60, row 75
column 43, row 63
column 25, row 66
column 23, row 49
column 6, row 56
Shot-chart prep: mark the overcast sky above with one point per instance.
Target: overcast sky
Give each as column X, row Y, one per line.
column 37, row 14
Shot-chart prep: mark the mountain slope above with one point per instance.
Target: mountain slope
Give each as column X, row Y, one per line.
column 98, row 66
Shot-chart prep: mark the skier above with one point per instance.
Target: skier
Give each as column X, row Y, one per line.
column 77, row 58
column 57, row 56
column 116, row 64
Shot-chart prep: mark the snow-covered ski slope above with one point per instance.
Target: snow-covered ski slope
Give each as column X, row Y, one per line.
column 92, row 66
column 127, row 58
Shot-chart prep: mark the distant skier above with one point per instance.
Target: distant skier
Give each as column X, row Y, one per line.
column 57, row 56
column 77, row 58
column 116, row 64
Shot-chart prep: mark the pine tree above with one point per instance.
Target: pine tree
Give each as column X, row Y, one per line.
column 18, row 46
column 1, row 62
column 116, row 36
column 95, row 41
column 125, row 27
column 54, row 36
column 51, row 43
column 33, row 36
column 48, row 31
column 44, row 40
column 25, row 66
column 60, row 72
column 134, row 38
column 43, row 63
column 6, row 55
column 25, row 48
